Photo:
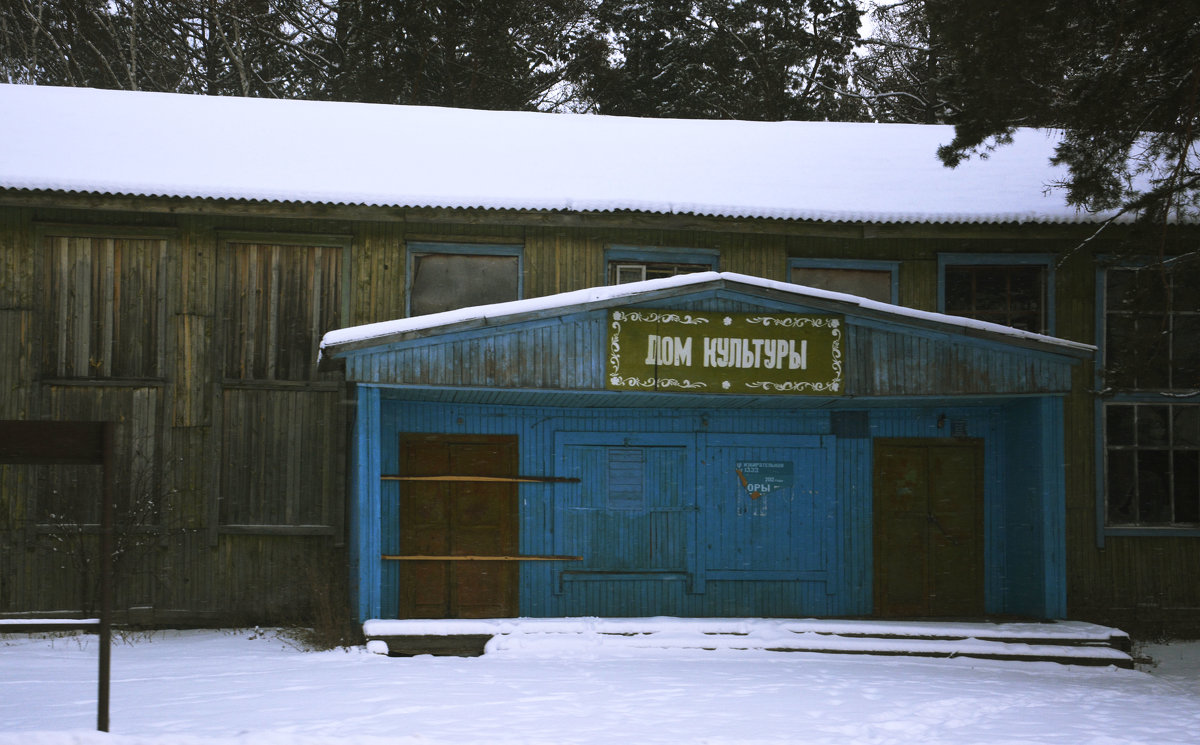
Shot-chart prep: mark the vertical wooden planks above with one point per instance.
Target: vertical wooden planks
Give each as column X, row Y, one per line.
column 280, row 299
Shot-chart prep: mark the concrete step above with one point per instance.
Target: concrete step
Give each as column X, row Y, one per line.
column 1065, row 642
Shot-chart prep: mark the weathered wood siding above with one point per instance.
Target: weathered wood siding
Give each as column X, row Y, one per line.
column 199, row 338
column 568, row 353
column 166, row 361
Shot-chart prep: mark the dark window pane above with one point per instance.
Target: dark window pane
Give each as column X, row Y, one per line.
column 1122, row 497
column 959, row 291
column 1187, row 486
column 1118, row 425
column 1027, row 288
column 1154, row 499
column 1187, row 426
column 1026, row 321
column 1120, row 354
column 1010, row 295
column 1148, row 291
column 991, row 291
column 1152, row 347
column 1185, row 288
column 1121, row 289
column 448, row 281
column 1185, row 343
column 1152, row 426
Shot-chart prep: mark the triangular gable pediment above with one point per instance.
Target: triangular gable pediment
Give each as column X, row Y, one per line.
column 562, row 342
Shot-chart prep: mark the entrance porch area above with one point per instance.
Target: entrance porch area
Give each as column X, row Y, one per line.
column 1064, row 642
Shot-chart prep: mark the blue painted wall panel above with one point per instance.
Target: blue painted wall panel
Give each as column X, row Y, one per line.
column 570, row 353
column 816, row 562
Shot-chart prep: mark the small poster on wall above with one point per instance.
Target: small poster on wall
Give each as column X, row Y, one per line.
column 763, row 477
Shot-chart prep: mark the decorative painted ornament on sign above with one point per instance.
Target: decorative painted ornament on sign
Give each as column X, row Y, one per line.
column 755, row 353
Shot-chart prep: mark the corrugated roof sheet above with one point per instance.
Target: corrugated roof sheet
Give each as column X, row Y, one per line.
column 156, row 144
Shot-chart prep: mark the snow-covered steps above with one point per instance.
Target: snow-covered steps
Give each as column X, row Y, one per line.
column 1067, row 642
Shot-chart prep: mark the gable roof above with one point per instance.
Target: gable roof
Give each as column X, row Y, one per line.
column 158, row 144
column 341, row 342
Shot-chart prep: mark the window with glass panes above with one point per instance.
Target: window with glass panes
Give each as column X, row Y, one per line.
column 1008, row 294
column 1152, row 374
column 1153, row 462
column 621, row 272
column 1152, row 328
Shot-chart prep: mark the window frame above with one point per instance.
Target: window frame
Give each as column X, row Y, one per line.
column 628, row 254
column 227, row 239
column 1158, row 396
column 426, row 248
column 1001, row 259
column 893, row 267
column 45, row 231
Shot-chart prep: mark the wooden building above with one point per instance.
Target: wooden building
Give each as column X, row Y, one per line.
column 961, row 408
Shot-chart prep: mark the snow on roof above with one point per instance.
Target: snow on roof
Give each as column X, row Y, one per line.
column 516, row 309
column 160, row 144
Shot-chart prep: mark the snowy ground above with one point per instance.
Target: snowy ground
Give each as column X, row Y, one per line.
column 225, row 688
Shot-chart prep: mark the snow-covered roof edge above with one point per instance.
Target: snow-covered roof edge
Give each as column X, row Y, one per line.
column 517, row 310
column 86, row 141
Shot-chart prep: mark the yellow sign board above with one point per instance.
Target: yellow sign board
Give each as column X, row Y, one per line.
column 748, row 353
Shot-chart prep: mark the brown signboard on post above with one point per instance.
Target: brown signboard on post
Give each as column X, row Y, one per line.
column 747, row 353
column 73, row 443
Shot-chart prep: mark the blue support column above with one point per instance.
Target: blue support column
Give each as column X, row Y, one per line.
column 365, row 505
column 1054, row 529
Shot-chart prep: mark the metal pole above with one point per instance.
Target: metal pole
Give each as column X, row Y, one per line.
column 106, row 536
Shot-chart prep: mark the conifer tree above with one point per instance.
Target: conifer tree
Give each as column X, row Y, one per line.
column 1120, row 79
column 720, row 59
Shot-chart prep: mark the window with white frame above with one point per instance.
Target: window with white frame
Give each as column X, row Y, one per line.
column 449, row 276
column 630, row 264
column 874, row 280
column 1151, row 375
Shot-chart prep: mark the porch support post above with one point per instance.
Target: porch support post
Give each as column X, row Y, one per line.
column 365, row 505
column 1054, row 510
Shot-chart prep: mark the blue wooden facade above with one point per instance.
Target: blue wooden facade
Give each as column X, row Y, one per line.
column 692, row 540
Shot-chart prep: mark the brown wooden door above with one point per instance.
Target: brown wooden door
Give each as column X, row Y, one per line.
column 458, row 518
column 929, row 528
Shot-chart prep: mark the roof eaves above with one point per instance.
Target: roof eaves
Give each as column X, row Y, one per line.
column 512, row 313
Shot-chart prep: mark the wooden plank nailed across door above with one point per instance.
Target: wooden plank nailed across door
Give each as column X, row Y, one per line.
column 457, row 519
column 451, row 557
column 496, row 479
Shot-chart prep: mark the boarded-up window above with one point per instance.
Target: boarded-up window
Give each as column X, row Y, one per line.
column 282, row 457
column 874, row 284
column 102, row 300
column 277, row 301
column 446, row 280
column 626, row 479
